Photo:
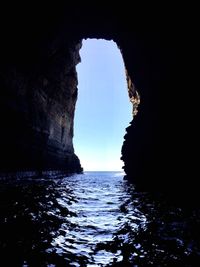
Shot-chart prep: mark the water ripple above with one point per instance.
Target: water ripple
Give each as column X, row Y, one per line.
column 94, row 219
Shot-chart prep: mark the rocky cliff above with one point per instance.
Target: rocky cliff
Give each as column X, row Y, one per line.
column 37, row 107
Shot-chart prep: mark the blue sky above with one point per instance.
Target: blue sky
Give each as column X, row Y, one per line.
column 103, row 110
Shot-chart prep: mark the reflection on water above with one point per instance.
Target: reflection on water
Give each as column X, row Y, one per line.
column 94, row 219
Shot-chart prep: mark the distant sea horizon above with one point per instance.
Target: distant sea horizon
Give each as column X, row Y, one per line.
column 104, row 171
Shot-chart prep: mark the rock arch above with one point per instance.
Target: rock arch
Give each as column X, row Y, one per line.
column 39, row 51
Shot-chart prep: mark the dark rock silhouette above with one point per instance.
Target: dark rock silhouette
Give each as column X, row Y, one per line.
column 39, row 51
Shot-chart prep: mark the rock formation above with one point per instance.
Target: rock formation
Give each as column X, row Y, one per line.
column 38, row 83
column 37, row 112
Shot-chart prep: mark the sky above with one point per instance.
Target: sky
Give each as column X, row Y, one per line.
column 103, row 109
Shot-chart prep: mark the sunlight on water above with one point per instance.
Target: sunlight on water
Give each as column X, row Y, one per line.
column 96, row 215
column 93, row 219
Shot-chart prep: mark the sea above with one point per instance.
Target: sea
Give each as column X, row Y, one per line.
column 93, row 219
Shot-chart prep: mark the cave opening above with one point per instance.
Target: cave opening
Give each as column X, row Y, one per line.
column 103, row 108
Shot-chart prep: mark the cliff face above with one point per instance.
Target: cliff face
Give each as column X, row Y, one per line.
column 38, row 88
column 37, row 113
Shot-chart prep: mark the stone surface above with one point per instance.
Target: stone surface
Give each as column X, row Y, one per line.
column 38, row 88
column 37, row 114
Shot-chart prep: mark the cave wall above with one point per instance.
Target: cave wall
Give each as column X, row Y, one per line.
column 38, row 87
column 37, row 107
